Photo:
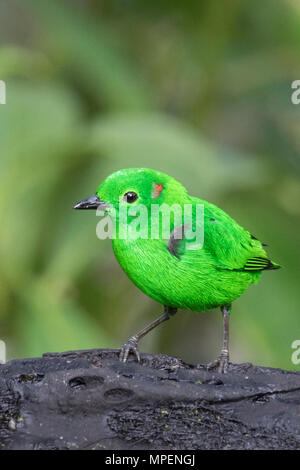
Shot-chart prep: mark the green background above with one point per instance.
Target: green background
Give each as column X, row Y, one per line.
column 198, row 89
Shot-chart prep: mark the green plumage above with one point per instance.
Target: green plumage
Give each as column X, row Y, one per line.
column 231, row 258
column 221, row 265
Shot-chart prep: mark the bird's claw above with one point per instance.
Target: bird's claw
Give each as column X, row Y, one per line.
column 221, row 363
column 129, row 346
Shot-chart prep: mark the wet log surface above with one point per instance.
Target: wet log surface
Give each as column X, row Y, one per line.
column 89, row 400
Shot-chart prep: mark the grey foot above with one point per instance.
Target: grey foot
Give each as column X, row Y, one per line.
column 129, row 347
column 221, row 363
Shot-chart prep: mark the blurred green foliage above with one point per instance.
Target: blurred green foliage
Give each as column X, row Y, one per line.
column 200, row 90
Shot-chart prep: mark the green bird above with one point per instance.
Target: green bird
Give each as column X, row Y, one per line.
column 170, row 267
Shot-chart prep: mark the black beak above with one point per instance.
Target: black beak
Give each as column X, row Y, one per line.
column 92, row 202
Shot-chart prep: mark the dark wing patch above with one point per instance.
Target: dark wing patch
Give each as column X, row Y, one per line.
column 259, row 264
column 175, row 240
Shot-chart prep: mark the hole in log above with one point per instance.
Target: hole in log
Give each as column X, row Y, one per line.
column 80, row 383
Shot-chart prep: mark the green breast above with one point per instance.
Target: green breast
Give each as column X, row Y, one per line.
column 192, row 282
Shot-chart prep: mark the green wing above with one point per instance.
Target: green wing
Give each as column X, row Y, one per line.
column 229, row 245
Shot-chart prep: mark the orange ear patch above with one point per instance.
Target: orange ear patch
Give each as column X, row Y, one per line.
column 157, row 189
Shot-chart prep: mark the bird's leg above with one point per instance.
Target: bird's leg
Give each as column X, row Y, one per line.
column 131, row 344
column 223, row 360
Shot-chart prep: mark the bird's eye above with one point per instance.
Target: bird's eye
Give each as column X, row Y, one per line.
column 130, row 197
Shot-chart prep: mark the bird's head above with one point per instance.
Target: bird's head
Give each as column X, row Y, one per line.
column 135, row 186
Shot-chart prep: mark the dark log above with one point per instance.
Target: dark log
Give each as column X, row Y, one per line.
column 89, row 400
